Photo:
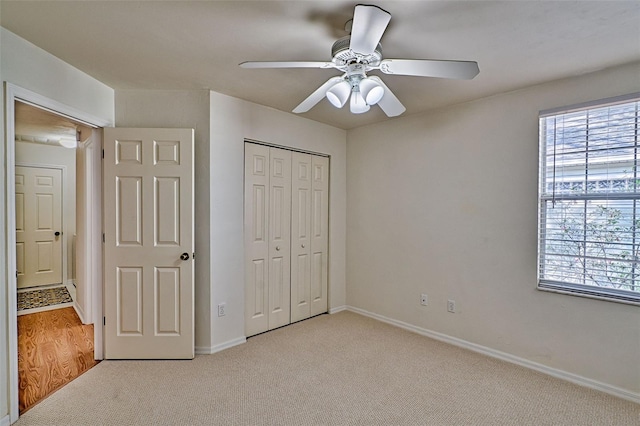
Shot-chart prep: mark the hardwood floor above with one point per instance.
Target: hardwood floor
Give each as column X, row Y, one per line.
column 54, row 347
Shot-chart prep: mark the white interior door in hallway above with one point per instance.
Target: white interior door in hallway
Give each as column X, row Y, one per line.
column 286, row 236
column 38, row 226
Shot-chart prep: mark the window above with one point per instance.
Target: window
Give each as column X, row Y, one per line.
column 589, row 197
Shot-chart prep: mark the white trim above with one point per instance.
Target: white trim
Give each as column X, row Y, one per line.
column 93, row 224
column 80, row 313
column 10, row 255
column 14, row 93
column 591, row 104
column 5, row 421
column 208, row 350
column 338, row 309
column 55, row 107
column 285, row 147
column 560, row 374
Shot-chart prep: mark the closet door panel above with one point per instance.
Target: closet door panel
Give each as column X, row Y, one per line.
column 279, row 238
column 319, row 234
column 256, row 225
column 301, row 194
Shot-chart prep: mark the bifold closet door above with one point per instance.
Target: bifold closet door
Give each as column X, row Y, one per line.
column 279, row 238
column 309, row 239
column 267, row 218
column 319, row 234
column 300, row 236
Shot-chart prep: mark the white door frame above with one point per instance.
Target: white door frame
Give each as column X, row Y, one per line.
column 14, row 93
column 64, row 258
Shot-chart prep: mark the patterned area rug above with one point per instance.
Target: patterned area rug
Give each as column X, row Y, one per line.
column 40, row 298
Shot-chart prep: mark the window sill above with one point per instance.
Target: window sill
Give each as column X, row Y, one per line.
column 585, row 291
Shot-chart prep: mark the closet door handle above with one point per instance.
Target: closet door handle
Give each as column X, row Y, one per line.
column 302, row 245
column 184, row 256
column 277, row 248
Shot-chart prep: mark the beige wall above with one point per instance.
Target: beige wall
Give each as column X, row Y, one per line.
column 31, row 68
column 233, row 121
column 39, row 154
column 181, row 109
column 445, row 203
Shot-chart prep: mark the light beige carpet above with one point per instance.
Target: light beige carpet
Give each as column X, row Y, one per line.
column 343, row 369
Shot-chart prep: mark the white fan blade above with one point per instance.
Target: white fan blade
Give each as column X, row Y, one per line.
column 316, row 96
column 464, row 70
column 389, row 103
column 292, row 64
column 369, row 23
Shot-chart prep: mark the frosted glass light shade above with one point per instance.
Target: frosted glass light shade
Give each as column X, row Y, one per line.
column 68, row 143
column 371, row 91
column 339, row 93
column 358, row 105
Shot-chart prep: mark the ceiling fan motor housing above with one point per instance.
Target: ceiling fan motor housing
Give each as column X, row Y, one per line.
column 342, row 55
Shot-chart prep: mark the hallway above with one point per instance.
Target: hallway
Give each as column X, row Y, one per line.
column 54, row 347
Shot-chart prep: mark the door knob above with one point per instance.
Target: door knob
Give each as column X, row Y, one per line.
column 184, row 256
column 277, row 248
column 302, row 245
column 57, row 233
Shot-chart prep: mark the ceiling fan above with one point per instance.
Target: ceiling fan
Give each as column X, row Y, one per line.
column 359, row 53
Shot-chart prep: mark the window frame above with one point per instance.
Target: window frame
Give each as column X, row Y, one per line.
column 562, row 287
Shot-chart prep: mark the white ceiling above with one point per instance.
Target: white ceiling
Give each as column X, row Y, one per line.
column 198, row 45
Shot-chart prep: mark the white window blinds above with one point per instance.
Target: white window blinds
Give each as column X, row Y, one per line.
column 589, row 201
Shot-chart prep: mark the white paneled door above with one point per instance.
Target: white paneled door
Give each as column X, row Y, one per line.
column 279, row 237
column 301, row 237
column 310, row 235
column 267, row 237
column 286, row 236
column 148, row 250
column 319, row 234
column 38, row 226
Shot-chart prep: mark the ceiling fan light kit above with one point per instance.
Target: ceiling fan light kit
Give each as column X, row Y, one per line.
column 359, row 53
column 68, row 143
column 339, row 94
column 358, row 104
column 371, row 91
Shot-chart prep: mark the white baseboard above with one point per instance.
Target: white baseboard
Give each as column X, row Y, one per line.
column 560, row 374
column 5, row 421
column 208, row 350
column 338, row 309
column 80, row 312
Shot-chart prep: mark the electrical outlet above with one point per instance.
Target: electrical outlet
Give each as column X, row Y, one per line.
column 423, row 299
column 451, row 306
column 222, row 309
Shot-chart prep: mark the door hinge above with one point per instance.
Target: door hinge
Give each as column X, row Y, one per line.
column 103, row 154
column 103, row 237
column 104, row 320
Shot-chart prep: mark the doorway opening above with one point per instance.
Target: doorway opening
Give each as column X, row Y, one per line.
column 54, row 346
column 80, row 257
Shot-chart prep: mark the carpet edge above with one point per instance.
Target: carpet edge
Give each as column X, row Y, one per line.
column 504, row 356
